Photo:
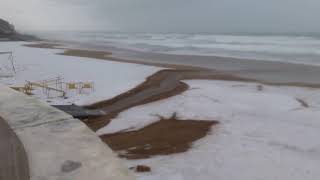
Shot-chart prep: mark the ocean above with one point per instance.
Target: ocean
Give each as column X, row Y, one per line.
column 301, row 48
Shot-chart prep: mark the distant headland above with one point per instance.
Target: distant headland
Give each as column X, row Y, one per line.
column 8, row 33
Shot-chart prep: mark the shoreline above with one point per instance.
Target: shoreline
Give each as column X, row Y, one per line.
column 265, row 72
column 103, row 55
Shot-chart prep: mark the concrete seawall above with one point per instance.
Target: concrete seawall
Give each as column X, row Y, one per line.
column 58, row 146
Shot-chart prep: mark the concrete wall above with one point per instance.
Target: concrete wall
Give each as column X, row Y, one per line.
column 58, row 146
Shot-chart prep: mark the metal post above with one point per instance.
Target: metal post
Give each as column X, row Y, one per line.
column 11, row 59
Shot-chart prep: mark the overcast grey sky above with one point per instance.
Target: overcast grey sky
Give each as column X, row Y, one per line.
column 164, row 15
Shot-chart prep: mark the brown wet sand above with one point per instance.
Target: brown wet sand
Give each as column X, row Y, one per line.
column 167, row 136
column 14, row 163
column 44, row 45
column 161, row 85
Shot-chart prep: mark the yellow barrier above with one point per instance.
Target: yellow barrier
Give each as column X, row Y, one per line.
column 72, row 85
column 87, row 86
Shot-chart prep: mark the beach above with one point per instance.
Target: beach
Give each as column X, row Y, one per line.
column 245, row 114
column 160, row 90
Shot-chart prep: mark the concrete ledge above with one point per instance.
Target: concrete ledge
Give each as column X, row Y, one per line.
column 58, row 147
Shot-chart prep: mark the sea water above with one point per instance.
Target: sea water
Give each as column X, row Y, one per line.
column 294, row 48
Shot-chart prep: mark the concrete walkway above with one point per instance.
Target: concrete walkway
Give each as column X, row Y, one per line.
column 58, row 146
column 14, row 163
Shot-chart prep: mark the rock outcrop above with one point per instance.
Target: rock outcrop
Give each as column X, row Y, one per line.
column 6, row 28
column 8, row 33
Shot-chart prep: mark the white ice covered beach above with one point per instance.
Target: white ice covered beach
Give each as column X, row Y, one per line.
column 264, row 132
column 35, row 64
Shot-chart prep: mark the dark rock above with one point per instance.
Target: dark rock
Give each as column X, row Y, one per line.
column 8, row 33
column 6, row 28
column 142, row 168
column 80, row 112
column 69, row 166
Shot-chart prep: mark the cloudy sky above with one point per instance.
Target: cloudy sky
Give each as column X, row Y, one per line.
column 164, row 15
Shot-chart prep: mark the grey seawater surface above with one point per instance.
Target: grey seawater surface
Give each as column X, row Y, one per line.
column 268, row 57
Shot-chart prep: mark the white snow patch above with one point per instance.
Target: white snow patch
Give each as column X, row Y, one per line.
column 110, row 78
column 262, row 134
